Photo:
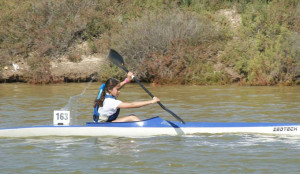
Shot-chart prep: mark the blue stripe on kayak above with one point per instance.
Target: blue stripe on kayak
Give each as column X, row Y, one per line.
column 158, row 122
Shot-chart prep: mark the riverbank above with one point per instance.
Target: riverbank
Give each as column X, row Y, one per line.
column 189, row 43
column 60, row 70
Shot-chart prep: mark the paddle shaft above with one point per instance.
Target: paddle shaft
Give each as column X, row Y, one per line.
column 118, row 60
column 159, row 103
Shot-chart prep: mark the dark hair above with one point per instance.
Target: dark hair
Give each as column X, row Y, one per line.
column 109, row 85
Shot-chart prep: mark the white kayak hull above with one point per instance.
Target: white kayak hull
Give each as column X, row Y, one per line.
column 153, row 127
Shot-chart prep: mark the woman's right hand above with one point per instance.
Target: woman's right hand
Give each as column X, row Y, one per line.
column 155, row 100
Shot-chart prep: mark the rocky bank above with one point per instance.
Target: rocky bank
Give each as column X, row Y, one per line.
column 61, row 70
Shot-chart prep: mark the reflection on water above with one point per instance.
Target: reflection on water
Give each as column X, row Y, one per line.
column 25, row 105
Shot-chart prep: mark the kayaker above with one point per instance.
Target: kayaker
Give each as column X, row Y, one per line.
column 109, row 105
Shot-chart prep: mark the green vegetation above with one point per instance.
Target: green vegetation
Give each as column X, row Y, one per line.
column 163, row 41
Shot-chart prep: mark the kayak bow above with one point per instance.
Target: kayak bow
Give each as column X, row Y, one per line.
column 152, row 127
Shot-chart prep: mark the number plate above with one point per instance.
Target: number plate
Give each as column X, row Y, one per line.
column 61, row 118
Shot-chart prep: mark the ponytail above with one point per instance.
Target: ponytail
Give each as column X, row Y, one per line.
column 109, row 85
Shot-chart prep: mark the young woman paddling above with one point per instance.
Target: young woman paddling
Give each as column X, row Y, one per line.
column 109, row 106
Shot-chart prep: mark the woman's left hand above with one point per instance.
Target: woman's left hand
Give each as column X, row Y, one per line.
column 129, row 75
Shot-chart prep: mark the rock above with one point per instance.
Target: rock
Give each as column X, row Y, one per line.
column 76, row 71
column 16, row 66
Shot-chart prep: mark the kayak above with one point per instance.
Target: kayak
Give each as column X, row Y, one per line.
column 155, row 126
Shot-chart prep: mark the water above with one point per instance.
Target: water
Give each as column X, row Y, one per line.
column 26, row 105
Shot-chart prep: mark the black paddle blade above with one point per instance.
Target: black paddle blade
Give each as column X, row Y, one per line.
column 117, row 59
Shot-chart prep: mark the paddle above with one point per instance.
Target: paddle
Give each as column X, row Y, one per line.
column 118, row 60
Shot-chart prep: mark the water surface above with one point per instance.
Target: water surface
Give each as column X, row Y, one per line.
column 26, row 105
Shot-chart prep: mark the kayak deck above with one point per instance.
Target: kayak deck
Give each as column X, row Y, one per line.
column 152, row 127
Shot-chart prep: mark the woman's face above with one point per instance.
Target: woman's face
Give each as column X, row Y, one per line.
column 115, row 91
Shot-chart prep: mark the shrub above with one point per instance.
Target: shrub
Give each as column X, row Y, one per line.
column 39, row 71
column 109, row 70
column 74, row 57
column 163, row 41
column 49, row 27
column 149, row 41
column 265, row 53
column 185, row 65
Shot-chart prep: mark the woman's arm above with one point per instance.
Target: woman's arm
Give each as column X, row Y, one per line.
column 129, row 78
column 138, row 103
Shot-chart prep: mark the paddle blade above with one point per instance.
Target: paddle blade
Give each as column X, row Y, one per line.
column 117, row 59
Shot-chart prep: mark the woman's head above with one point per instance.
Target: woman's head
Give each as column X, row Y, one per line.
column 112, row 86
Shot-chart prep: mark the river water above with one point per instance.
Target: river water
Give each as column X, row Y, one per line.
column 26, row 105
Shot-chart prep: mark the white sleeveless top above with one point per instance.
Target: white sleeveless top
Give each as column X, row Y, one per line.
column 109, row 107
